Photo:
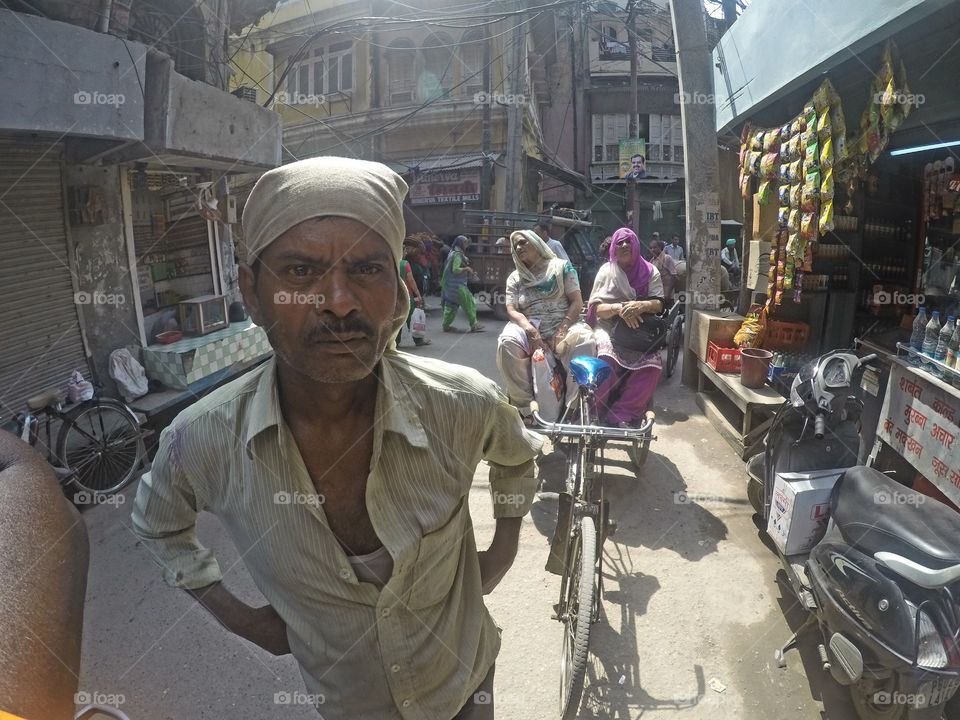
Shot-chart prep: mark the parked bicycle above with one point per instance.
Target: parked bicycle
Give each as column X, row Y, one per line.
column 583, row 514
column 99, row 446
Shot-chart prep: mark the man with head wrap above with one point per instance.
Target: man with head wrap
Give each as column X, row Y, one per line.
column 341, row 468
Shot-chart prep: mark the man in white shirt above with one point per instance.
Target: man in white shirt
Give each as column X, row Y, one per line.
column 730, row 261
column 675, row 249
column 543, row 230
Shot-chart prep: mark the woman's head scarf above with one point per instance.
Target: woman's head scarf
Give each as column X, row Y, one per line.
column 638, row 274
column 460, row 242
column 547, row 277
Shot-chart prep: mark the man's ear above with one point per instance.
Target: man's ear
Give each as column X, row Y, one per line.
column 248, row 288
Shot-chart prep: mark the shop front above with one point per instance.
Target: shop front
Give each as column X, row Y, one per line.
column 850, row 183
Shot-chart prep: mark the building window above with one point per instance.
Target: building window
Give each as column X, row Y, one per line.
column 322, row 71
column 608, row 131
column 401, row 72
column 438, row 67
column 471, row 62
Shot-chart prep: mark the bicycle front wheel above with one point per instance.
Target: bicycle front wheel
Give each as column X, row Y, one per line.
column 580, row 601
column 676, row 341
column 100, row 443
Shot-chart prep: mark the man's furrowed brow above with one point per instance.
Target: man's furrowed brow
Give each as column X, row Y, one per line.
column 351, row 257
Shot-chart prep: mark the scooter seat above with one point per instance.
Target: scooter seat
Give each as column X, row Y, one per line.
column 874, row 513
column 589, row 370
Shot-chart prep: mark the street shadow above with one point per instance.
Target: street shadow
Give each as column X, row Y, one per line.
column 651, row 508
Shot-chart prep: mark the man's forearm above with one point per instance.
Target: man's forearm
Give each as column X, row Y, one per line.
column 229, row 611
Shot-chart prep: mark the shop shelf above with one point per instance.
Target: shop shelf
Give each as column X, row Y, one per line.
column 949, row 373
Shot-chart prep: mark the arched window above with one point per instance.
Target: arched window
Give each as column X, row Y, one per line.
column 471, row 63
column 436, row 79
column 175, row 27
column 401, row 72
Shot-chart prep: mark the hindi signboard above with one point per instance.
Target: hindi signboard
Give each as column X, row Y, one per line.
column 446, row 187
column 920, row 421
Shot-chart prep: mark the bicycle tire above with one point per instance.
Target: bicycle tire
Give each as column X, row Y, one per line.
column 110, row 464
column 581, row 598
column 676, row 340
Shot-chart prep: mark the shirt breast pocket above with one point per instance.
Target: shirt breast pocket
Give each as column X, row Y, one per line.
column 438, row 560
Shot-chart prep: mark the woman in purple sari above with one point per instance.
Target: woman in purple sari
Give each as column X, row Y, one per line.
column 623, row 399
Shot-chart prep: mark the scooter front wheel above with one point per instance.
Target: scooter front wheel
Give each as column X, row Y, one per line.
column 875, row 700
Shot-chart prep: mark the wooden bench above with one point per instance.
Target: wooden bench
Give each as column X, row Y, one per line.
column 742, row 415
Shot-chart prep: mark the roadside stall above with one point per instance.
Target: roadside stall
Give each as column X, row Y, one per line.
column 850, row 188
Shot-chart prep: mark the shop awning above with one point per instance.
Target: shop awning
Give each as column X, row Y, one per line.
column 754, row 67
column 568, row 177
column 446, row 162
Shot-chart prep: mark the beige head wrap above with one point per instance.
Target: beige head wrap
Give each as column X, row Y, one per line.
column 368, row 192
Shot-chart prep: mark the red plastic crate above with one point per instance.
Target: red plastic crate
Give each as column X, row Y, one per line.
column 723, row 359
column 790, row 336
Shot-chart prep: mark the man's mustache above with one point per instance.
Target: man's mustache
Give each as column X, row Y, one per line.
column 332, row 328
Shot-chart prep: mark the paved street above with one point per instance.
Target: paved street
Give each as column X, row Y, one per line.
column 691, row 598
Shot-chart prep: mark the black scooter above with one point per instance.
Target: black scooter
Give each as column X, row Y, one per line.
column 883, row 584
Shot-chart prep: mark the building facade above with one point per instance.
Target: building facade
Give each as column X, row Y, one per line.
column 120, row 132
column 457, row 112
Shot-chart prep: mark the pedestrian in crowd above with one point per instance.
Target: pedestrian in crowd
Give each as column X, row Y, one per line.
column 667, row 268
column 543, row 302
column 455, row 293
column 604, row 249
column 542, row 229
column 675, row 249
column 415, row 253
column 730, row 261
column 337, row 470
column 409, row 279
column 626, row 287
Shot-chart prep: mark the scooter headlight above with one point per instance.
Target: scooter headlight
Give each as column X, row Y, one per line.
column 930, row 650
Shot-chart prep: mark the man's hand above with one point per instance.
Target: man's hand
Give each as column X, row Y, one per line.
column 261, row 626
column 495, row 561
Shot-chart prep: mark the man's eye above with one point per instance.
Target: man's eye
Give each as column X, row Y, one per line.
column 368, row 269
column 300, row 270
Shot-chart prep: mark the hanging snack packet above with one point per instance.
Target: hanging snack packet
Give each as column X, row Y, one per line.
column 796, row 172
column 765, row 193
column 755, row 158
column 824, row 129
column 826, row 217
column 796, row 196
column 782, row 215
column 783, row 192
column 821, row 98
column 770, row 165
column 808, row 226
column 826, row 185
column 745, row 192
column 793, row 220
column 826, row 154
column 771, row 141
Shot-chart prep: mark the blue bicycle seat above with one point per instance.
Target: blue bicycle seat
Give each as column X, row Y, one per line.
column 589, row 370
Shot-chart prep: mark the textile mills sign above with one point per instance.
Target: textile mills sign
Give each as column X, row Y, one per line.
column 444, row 187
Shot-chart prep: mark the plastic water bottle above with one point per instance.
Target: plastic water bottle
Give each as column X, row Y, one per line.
column 919, row 328
column 943, row 342
column 931, row 337
column 953, row 354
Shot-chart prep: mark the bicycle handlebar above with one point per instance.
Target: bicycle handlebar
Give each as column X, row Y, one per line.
column 571, row 430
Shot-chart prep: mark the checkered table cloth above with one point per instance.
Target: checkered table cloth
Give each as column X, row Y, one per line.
column 178, row 364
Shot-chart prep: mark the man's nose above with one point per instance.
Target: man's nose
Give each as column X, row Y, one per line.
column 339, row 296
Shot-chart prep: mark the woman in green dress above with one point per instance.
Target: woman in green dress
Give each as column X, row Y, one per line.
column 454, row 291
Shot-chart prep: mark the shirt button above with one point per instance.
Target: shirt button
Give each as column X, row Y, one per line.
column 345, row 573
column 406, row 703
column 395, row 668
column 385, row 612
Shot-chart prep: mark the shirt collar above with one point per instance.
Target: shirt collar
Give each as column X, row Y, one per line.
column 395, row 407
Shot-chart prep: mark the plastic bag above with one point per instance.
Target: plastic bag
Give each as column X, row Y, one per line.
column 418, row 324
column 547, row 385
column 78, row 389
column 753, row 328
column 128, row 374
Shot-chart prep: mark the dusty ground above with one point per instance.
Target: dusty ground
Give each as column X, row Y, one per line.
column 690, row 596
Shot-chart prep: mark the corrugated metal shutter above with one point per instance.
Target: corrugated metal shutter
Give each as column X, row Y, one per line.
column 40, row 338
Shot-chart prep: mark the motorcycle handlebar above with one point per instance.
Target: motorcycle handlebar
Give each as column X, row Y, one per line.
column 571, row 430
column 819, row 426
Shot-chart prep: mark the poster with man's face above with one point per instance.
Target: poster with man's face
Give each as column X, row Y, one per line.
column 633, row 159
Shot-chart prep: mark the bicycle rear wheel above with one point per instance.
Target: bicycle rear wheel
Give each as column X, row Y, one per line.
column 100, row 443
column 676, row 341
column 581, row 598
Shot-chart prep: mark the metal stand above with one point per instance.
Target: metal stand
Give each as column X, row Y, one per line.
column 792, row 642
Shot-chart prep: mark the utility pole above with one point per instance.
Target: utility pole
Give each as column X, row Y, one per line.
column 486, row 173
column 515, row 89
column 633, row 191
column 701, row 167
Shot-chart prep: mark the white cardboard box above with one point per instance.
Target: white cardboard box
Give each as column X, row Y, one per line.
column 800, row 508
